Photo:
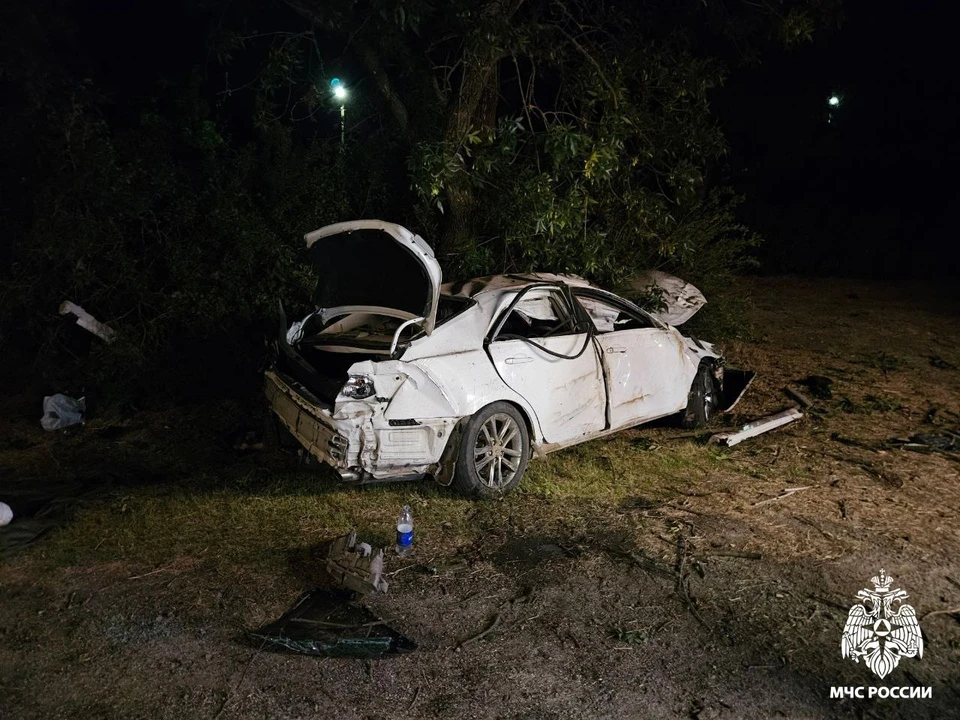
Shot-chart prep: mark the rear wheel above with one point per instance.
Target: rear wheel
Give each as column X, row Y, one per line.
column 703, row 400
column 494, row 451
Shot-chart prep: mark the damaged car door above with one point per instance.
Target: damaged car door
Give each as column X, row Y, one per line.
column 541, row 347
column 642, row 360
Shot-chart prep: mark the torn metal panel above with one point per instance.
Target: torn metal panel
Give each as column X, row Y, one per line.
column 758, row 427
column 88, row 322
column 733, row 386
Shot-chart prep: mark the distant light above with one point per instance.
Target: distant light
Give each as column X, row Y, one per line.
column 339, row 91
column 834, row 101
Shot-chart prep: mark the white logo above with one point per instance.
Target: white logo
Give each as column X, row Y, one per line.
column 880, row 633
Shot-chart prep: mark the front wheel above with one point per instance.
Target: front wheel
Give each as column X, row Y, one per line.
column 494, row 451
column 704, row 398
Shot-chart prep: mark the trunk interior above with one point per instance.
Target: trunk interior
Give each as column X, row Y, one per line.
column 321, row 372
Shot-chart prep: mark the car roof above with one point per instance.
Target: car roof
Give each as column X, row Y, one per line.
column 501, row 283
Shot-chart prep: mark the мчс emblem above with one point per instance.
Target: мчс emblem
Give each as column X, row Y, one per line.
column 880, row 633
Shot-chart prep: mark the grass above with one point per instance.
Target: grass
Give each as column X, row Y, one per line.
column 884, row 362
column 255, row 518
column 870, row 404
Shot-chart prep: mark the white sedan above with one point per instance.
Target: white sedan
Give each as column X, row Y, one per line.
column 394, row 377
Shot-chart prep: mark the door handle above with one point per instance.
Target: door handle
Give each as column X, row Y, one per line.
column 518, row 359
column 616, row 349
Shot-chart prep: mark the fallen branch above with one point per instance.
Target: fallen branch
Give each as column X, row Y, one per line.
column 650, row 566
column 154, row 572
column 785, row 494
column 416, row 696
column 831, row 603
column 799, row 397
column 811, row 523
column 951, row 611
column 482, row 634
column 734, row 553
column 324, row 623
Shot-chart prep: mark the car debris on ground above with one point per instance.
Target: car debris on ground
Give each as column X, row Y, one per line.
column 330, row 623
column 758, row 427
column 356, row 566
column 820, row 386
column 88, row 322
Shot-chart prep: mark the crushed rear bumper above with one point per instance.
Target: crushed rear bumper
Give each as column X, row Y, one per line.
column 310, row 422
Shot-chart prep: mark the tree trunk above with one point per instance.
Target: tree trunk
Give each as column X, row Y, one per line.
column 475, row 110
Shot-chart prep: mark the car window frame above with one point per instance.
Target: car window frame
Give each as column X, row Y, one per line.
column 576, row 311
column 621, row 303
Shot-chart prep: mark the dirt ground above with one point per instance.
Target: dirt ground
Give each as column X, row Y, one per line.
column 645, row 575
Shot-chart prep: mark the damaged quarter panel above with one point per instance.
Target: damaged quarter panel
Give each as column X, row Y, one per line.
column 404, row 427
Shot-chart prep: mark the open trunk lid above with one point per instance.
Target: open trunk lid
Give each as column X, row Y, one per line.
column 375, row 267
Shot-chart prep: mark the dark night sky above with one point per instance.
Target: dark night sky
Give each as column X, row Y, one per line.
column 873, row 190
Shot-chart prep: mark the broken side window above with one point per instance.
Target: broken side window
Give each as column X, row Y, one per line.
column 542, row 312
column 608, row 316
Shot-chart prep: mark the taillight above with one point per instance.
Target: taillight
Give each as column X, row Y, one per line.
column 358, row 387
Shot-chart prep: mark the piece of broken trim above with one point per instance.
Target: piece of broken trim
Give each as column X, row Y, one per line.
column 758, row 427
column 88, row 322
column 735, row 385
column 356, row 566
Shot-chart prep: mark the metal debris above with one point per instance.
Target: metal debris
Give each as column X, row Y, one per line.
column 758, row 427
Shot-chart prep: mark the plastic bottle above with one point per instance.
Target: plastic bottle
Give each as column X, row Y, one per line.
column 405, row 532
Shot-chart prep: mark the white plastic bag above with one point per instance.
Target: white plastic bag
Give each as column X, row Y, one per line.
column 6, row 514
column 60, row 411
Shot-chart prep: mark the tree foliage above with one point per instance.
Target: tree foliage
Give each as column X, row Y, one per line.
column 558, row 135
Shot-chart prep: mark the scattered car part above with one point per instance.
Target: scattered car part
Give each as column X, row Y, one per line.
column 733, row 386
column 61, row 411
column 758, row 427
column 88, row 322
column 331, row 624
column 356, row 566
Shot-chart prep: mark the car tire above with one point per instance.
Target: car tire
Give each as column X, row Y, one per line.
column 494, row 451
column 703, row 400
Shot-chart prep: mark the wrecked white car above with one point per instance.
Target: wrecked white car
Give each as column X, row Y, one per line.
column 394, row 377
